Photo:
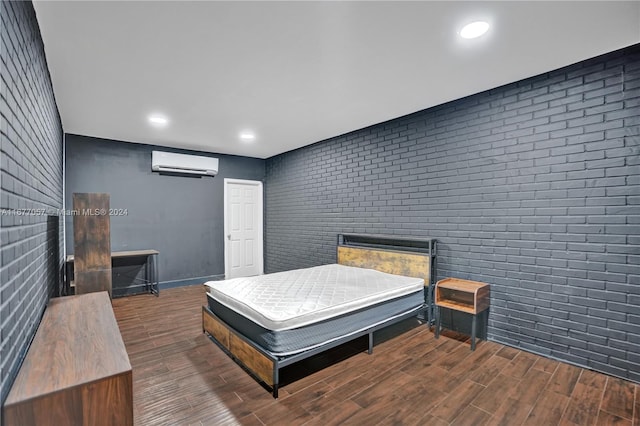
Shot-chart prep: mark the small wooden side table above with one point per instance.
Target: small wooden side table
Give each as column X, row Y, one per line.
column 471, row 297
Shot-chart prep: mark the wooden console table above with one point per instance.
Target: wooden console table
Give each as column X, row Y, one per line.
column 77, row 370
column 151, row 267
column 471, row 297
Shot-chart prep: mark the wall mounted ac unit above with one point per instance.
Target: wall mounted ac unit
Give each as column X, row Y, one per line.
column 181, row 163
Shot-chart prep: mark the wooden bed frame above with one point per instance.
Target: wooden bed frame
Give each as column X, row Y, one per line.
column 401, row 256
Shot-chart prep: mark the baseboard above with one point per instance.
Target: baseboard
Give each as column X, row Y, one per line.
column 189, row 281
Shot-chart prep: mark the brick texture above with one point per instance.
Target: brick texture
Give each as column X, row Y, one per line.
column 30, row 178
column 533, row 187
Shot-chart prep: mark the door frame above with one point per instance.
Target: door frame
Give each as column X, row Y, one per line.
column 227, row 246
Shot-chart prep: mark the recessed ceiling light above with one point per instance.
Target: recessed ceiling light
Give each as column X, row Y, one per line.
column 247, row 136
column 158, row 120
column 474, row 29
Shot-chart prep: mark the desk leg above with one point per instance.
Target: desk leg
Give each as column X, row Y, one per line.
column 147, row 283
column 156, row 278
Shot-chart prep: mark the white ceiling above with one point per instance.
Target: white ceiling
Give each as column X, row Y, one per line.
column 296, row 73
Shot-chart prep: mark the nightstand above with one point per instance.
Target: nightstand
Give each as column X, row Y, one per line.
column 471, row 297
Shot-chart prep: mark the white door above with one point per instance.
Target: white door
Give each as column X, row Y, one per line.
column 243, row 228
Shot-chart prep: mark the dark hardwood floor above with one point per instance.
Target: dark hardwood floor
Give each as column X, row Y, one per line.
column 181, row 377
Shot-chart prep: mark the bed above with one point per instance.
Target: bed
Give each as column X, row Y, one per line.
column 270, row 321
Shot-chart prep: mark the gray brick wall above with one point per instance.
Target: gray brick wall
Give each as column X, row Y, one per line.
column 533, row 187
column 30, row 178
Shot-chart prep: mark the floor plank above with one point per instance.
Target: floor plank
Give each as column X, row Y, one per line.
column 466, row 392
column 619, row 398
column 507, row 352
column 564, row 379
column 531, row 387
column 488, row 399
column 548, row 410
column 472, row 416
column 608, row 419
column 417, row 404
column 181, row 377
column 489, row 371
column 519, row 365
column 584, row 405
column 511, row 412
column 546, row 364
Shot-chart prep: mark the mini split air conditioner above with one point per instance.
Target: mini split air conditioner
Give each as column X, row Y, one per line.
column 169, row 162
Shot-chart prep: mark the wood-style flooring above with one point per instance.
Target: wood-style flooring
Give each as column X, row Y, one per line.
column 180, row 377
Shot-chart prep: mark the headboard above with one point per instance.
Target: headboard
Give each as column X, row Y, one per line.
column 412, row 257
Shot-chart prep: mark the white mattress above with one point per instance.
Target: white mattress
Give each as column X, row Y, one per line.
column 291, row 299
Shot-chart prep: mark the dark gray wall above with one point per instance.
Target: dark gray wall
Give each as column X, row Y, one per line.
column 533, row 187
column 31, row 178
column 182, row 217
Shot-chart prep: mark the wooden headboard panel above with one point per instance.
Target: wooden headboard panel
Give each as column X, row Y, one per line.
column 393, row 255
column 410, row 264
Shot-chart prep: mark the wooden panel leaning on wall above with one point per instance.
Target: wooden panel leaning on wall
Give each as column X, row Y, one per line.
column 77, row 370
column 91, row 243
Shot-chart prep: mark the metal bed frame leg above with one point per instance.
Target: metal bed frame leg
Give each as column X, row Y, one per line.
column 276, row 379
column 370, row 350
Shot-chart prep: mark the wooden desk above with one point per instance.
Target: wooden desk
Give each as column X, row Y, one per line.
column 77, row 370
column 151, row 267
